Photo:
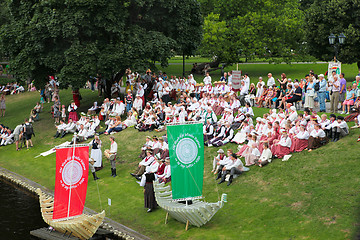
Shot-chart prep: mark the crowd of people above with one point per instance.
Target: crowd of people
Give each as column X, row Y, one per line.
column 151, row 101
column 11, row 88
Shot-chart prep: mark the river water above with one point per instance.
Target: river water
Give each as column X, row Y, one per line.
column 19, row 214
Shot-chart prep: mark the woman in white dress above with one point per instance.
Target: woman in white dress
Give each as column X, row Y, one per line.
column 96, row 153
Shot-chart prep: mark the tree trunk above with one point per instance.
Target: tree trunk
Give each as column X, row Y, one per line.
column 213, row 66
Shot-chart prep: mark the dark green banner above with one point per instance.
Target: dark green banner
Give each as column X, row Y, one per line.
column 186, row 148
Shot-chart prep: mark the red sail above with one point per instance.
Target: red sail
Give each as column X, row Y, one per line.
column 72, row 166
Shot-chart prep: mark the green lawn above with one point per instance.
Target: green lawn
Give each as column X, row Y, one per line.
column 312, row 196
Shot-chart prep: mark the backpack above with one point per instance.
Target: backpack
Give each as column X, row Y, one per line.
column 317, row 86
column 29, row 129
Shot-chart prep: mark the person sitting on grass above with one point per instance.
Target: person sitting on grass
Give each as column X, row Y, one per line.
column 340, row 129
column 81, row 136
column 317, row 138
column 166, row 176
column 117, row 126
column 69, row 128
column 234, row 167
column 218, row 158
column 266, row 155
column 143, row 164
column 281, row 147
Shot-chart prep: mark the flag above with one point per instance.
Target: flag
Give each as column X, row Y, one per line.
column 186, row 149
column 72, row 166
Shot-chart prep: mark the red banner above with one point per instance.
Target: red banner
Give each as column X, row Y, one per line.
column 72, row 166
column 236, row 80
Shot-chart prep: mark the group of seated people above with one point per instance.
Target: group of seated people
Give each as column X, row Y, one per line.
column 6, row 135
column 276, row 135
column 84, row 128
column 155, row 159
column 11, row 88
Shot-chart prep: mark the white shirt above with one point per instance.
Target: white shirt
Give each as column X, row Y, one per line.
column 317, row 133
column 285, row 141
column 113, row 148
column 147, row 161
column 303, row 135
column 207, row 80
column 266, row 155
column 270, row 82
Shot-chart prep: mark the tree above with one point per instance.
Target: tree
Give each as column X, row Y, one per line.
column 77, row 38
column 269, row 29
column 335, row 16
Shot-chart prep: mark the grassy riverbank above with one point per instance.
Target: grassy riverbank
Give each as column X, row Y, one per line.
column 312, row 196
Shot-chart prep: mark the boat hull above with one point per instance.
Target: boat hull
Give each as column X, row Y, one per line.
column 83, row 226
column 197, row 214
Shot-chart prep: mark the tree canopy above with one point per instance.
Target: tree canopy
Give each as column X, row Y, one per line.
column 77, row 38
column 262, row 28
column 334, row 16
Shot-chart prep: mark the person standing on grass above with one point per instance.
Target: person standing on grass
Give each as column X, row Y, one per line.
column 322, row 93
column 18, row 132
column 28, row 131
column 334, row 98
column 2, row 105
column 342, row 90
column 111, row 155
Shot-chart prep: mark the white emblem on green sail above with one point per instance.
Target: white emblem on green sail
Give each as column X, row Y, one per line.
column 186, row 150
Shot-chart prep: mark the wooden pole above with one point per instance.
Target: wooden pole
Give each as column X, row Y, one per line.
column 187, row 225
column 166, row 217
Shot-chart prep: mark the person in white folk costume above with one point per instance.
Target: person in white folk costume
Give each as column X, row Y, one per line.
column 166, row 177
column 143, row 164
column 96, row 153
column 218, row 158
column 266, row 155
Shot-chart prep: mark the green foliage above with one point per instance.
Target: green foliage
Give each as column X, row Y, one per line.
column 333, row 16
column 75, row 39
column 264, row 28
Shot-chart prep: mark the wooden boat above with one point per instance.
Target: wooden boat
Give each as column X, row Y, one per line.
column 186, row 148
column 82, row 227
column 197, row 214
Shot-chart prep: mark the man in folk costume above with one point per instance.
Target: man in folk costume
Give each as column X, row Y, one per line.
column 248, row 109
column 228, row 116
column 210, row 115
column 208, row 131
column 329, row 128
column 111, row 155
column 281, row 147
column 317, row 138
column 166, row 176
column 235, row 167
column 81, row 136
column 228, row 136
column 69, row 128
column 143, row 164
column 156, row 145
column 221, row 156
column 218, row 135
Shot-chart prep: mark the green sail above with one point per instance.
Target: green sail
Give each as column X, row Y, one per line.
column 186, row 149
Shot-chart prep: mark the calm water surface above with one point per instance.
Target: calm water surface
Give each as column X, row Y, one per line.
column 19, row 214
